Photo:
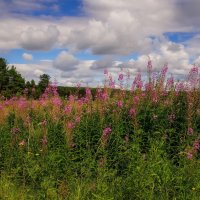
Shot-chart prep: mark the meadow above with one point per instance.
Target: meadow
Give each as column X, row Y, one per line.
column 118, row 144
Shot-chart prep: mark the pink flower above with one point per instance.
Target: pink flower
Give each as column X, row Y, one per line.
column 51, row 90
column 57, row 101
column 170, row 82
column 137, row 82
column 132, row 112
column 80, row 102
column 196, row 145
column 149, row 65
column 180, row 86
column 1, row 107
column 136, row 99
column 190, row 131
column 164, row 93
column 194, row 70
column 70, row 125
column 193, row 76
column 143, row 94
column 154, row 76
column 71, row 98
column 126, row 138
column 148, row 86
column 120, row 104
column 105, row 71
column 189, row 155
column 106, row 132
column 15, row 130
column 111, row 82
column 88, row 91
column 44, row 140
column 22, row 143
column 7, row 103
column 121, row 76
column 164, row 71
column 78, row 85
column 78, row 119
column 104, row 95
column 154, row 97
column 44, row 122
column 68, row 109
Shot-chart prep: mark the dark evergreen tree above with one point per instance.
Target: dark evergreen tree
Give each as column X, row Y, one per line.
column 3, row 74
column 33, row 83
column 43, row 82
column 11, row 81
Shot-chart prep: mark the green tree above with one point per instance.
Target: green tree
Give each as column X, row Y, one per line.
column 11, row 81
column 28, row 84
column 43, row 82
column 33, row 83
column 3, row 74
column 16, row 83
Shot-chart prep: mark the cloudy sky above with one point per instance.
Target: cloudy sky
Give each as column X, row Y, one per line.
column 74, row 40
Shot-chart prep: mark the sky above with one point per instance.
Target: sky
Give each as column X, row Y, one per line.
column 75, row 40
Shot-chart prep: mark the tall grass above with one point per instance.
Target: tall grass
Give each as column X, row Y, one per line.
column 141, row 143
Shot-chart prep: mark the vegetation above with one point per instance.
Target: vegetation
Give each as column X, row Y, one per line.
column 13, row 84
column 141, row 144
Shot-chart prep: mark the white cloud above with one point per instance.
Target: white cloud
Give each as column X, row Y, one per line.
column 38, row 72
column 38, row 39
column 175, row 55
column 82, row 74
column 34, row 70
column 72, row 71
column 109, row 28
column 105, row 62
column 65, row 61
column 27, row 56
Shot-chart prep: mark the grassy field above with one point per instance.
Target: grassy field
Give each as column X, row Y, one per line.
column 138, row 144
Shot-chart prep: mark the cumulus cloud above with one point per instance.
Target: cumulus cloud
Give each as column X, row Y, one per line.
column 38, row 39
column 34, row 70
column 173, row 54
column 27, row 56
column 193, row 46
column 38, row 72
column 115, row 36
column 109, row 28
column 187, row 14
column 82, row 74
column 65, row 61
column 105, row 62
column 90, row 72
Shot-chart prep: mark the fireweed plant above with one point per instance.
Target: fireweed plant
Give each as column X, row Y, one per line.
column 126, row 141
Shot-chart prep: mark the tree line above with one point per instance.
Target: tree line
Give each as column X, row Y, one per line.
column 13, row 84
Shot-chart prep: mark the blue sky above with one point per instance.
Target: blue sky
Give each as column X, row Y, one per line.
column 61, row 8
column 74, row 40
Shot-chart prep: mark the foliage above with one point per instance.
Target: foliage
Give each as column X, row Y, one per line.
column 43, row 82
column 11, row 82
column 112, row 144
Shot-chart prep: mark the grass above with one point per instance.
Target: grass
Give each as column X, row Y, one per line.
column 139, row 144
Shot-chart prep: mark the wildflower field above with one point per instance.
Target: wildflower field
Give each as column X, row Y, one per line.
column 136, row 143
